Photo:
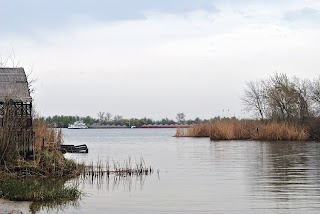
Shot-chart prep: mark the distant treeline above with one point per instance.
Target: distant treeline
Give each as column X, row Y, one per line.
column 62, row 121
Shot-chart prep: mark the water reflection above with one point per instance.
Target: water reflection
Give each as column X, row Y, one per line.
column 278, row 175
column 49, row 207
column 98, row 183
column 287, row 172
column 125, row 183
column 49, row 193
column 202, row 176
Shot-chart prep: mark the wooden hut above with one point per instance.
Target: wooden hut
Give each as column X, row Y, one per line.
column 15, row 112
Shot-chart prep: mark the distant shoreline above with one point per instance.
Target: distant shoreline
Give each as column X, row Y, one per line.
column 138, row 127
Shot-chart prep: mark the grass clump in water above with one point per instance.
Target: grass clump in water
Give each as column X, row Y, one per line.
column 38, row 190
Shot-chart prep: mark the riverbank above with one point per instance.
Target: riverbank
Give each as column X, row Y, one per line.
column 247, row 130
column 42, row 176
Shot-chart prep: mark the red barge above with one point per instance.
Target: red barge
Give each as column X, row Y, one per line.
column 163, row 126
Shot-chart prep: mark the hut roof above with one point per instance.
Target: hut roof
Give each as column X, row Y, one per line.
column 14, row 85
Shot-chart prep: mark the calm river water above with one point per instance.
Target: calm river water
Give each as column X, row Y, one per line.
column 197, row 175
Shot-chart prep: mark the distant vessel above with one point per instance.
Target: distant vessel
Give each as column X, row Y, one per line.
column 78, row 125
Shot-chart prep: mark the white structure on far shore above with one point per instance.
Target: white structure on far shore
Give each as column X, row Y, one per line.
column 78, row 125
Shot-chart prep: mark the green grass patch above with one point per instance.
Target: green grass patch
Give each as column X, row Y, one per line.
column 39, row 190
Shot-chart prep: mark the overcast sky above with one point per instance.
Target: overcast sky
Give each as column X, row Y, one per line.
column 157, row 58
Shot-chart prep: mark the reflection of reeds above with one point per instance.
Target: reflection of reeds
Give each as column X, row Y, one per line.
column 113, row 181
column 246, row 130
column 53, row 207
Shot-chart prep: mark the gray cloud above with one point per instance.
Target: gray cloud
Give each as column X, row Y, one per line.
column 25, row 16
column 306, row 15
column 194, row 64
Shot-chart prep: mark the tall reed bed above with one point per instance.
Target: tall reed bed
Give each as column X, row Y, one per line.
column 45, row 136
column 48, row 161
column 246, row 130
column 13, row 140
column 7, row 150
column 48, row 155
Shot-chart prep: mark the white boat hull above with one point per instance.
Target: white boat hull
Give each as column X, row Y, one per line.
column 78, row 125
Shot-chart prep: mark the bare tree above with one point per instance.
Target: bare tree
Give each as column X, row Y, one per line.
column 315, row 90
column 279, row 98
column 282, row 98
column 4, row 61
column 31, row 79
column 315, row 93
column 101, row 116
column 303, row 92
column 254, row 98
column 10, row 60
column 117, row 119
column 108, row 117
column 180, row 118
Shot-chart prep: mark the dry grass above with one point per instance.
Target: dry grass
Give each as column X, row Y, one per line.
column 13, row 141
column 19, row 176
column 199, row 130
column 48, row 161
column 46, row 137
column 246, row 130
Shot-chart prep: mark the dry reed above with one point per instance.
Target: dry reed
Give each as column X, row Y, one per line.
column 246, row 130
column 122, row 169
column 48, row 161
column 45, row 136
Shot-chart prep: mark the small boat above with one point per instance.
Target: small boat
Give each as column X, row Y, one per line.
column 74, row 149
column 78, row 125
